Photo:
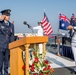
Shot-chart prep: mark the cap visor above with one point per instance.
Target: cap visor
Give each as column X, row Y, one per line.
column 8, row 14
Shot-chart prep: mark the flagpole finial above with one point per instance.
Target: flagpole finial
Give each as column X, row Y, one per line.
column 59, row 13
column 72, row 14
column 44, row 9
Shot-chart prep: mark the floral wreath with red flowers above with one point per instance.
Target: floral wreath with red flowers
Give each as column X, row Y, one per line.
column 38, row 64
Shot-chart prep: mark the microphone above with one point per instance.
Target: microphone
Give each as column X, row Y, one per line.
column 25, row 23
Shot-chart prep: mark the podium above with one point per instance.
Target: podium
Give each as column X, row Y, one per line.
column 16, row 48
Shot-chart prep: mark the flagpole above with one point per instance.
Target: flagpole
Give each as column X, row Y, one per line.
column 58, row 28
column 58, row 41
column 44, row 10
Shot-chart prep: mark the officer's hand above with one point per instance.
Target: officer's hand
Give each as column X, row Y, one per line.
column 70, row 27
column 2, row 17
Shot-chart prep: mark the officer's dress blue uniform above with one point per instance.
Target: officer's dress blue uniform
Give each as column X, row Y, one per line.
column 6, row 36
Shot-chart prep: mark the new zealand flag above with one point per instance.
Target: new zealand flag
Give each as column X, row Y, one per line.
column 63, row 22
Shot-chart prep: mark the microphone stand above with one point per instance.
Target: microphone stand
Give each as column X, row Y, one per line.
column 31, row 29
column 25, row 23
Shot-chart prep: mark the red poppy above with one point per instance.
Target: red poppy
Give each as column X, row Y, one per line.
column 46, row 62
column 45, row 69
column 48, row 67
column 36, row 60
column 32, row 69
column 41, row 74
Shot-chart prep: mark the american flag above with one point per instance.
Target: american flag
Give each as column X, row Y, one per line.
column 63, row 22
column 46, row 26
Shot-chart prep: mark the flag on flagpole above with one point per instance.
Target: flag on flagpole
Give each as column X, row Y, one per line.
column 71, row 23
column 63, row 22
column 46, row 26
column 73, row 16
column 72, row 19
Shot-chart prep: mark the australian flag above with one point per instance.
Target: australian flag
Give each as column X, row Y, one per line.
column 63, row 22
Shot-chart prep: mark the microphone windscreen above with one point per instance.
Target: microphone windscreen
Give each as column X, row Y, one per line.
column 24, row 22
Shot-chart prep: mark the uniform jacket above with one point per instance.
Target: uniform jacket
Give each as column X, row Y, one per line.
column 39, row 30
column 6, row 34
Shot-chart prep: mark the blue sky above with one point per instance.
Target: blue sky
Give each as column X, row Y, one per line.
column 32, row 11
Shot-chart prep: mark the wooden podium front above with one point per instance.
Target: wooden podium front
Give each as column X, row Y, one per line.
column 16, row 48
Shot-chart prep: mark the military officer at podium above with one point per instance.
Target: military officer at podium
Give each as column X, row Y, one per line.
column 6, row 36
